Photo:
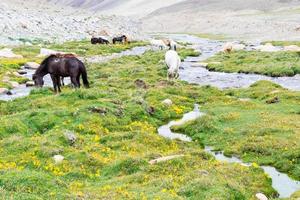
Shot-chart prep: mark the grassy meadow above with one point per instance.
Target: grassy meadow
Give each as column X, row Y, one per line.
column 115, row 123
column 273, row 64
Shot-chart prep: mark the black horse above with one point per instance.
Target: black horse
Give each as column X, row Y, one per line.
column 58, row 66
column 122, row 39
column 99, row 41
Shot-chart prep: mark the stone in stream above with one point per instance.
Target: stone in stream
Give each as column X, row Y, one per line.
column 31, row 65
column 17, row 74
column 22, row 72
column 30, row 84
column 261, row 196
column 3, row 90
column 203, row 64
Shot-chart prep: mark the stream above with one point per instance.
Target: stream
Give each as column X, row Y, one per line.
column 281, row 182
column 202, row 76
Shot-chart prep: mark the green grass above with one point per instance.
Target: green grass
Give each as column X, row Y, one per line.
column 81, row 48
column 268, row 63
column 283, row 43
column 110, row 158
column 267, row 134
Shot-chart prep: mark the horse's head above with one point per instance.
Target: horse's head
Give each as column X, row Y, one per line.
column 38, row 80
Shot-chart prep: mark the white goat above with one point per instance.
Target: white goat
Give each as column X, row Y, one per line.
column 173, row 62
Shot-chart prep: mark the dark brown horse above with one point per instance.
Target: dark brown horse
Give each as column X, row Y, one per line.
column 61, row 65
column 122, row 39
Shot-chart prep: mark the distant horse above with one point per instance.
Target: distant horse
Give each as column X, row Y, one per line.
column 60, row 65
column 173, row 62
column 122, row 39
column 99, row 41
column 171, row 44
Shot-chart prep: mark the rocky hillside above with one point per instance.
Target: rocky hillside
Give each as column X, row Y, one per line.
column 23, row 21
column 255, row 19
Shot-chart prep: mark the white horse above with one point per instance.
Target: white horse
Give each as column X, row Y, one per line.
column 173, row 62
column 158, row 43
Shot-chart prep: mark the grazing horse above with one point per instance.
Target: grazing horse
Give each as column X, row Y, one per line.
column 99, row 40
column 60, row 65
column 122, row 39
column 173, row 62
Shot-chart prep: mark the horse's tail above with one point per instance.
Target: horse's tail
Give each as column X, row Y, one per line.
column 84, row 77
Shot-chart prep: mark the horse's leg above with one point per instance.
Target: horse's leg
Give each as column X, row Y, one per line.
column 74, row 81
column 78, row 80
column 58, row 82
column 54, row 81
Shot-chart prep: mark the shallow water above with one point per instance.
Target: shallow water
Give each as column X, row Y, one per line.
column 22, row 90
column 202, row 76
column 283, row 184
column 166, row 132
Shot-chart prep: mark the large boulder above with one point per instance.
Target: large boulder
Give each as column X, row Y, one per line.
column 8, row 53
column 293, row 48
column 31, row 65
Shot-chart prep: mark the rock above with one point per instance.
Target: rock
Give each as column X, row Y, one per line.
column 17, row 74
column 167, row 102
column 22, row 72
column 163, row 159
column 3, row 90
column 101, row 111
column 8, row 53
column 293, row 48
column 71, row 137
column 273, row 100
column 58, row 159
column 267, row 48
column 261, row 196
column 31, row 65
column 9, row 92
column 140, row 84
column 151, row 110
column 30, row 84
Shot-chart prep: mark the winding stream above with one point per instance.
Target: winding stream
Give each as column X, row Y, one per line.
column 281, row 182
column 202, row 76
